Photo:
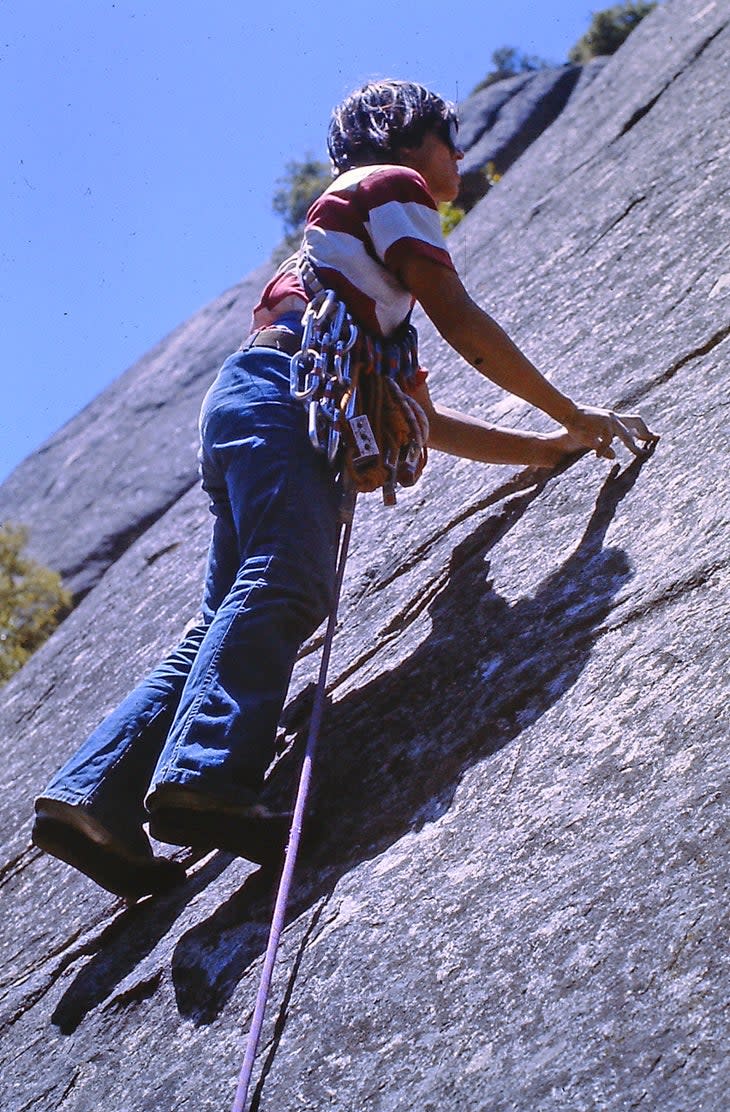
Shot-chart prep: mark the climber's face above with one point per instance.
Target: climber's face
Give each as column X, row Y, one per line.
column 436, row 159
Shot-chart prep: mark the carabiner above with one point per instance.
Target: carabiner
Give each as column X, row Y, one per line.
column 313, row 426
column 325, row 309
column 304, row 379
column 351, row 405
column 333, row 443
column 309, row 321
column 341, row 364
column 339, row 320
column 352, row 334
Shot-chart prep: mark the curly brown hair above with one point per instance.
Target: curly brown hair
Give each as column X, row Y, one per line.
column 378, row 120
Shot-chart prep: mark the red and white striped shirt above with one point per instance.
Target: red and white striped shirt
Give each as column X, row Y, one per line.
column 357, row 235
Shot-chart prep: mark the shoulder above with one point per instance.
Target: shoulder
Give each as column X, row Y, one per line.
column 378, row 185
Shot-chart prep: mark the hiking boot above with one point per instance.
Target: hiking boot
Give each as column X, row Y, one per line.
column 191, row 818
column 69, row 831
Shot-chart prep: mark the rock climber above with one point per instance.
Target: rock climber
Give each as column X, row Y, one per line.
column 186, row 753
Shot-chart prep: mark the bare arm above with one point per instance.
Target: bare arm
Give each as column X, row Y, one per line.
column 471, row 438
column 488, row 348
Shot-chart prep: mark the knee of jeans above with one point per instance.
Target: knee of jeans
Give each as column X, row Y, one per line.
column 308, row 595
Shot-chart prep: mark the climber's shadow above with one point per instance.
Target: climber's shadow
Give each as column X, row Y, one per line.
column 127, row 941
column 392, row 753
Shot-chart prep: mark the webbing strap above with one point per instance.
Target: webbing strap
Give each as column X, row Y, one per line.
column 305, row 777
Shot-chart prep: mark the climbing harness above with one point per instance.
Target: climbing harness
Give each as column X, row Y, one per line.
column 358, row 413
column 282, row 897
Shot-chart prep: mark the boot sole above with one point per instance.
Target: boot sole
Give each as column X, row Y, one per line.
column 260, row 838
column 131, row 878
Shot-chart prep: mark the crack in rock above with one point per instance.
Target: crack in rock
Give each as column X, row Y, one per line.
column 530, row 480
column 16, row 864
column 613, row 223
column 136, row 993
column 642, row 392
column 644, row 110
column 44, row 979
column 673, row 592
column 61, row 1093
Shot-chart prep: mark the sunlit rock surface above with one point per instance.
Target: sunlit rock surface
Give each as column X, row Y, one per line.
column 515, row 894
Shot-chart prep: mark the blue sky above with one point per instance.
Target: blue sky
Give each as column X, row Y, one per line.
column 142, row 143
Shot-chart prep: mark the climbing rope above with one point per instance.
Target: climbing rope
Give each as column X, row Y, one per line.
column 359, row 416
column 282, row 897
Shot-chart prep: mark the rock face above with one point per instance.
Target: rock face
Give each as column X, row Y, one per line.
column 114, row 469
column 498, row 123
column 517, row 893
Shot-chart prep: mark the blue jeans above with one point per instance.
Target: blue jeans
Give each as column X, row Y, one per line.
column 206, row 717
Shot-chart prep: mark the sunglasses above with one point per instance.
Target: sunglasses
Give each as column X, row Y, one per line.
column 448, row 130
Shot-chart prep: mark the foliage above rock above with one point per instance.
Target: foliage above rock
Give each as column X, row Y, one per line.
column 508, row 61
column 609, row 29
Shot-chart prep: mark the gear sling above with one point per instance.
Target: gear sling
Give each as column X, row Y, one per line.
column 350, row 383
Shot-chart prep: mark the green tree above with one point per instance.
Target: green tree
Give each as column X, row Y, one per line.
column 609, row 29
column 450, row 215
column 507, row 61
column 32, row 601
column 301, row 184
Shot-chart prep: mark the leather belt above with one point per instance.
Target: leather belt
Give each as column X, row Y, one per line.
column 281, row 339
